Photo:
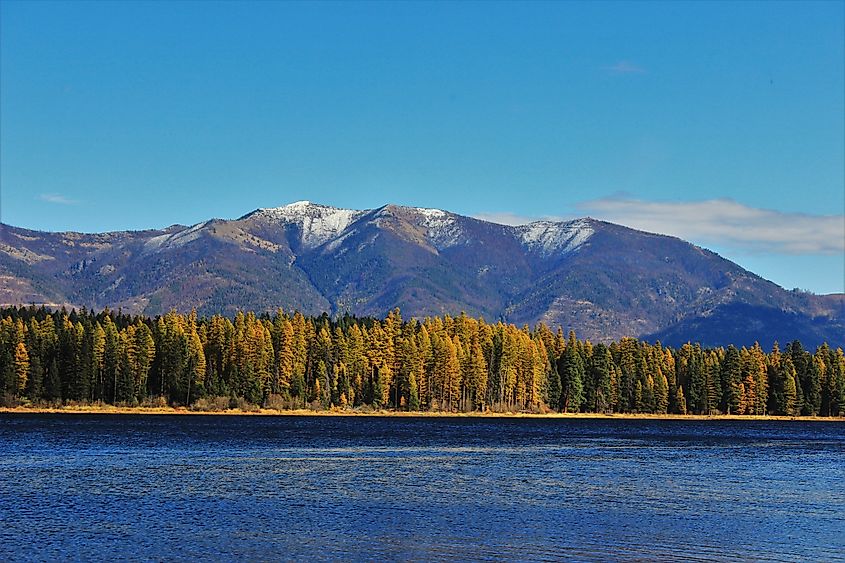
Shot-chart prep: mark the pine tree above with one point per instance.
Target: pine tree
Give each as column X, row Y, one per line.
column 35, row 348
column 806, row 380
column 539, row 376
column 627, row 363
column 784, row 392
column 731, row 381
column 478, row 375
column 714, row 382
column 645, row 403
column 761, row 379
column 698, row 403
column 413, row 392
column 836, row 381
column 127, row 367
column 426, row 363
column 509, row 368
column 452, row 375
column 680, row 401
column 554, row 389
column 638, row 396
column 111, row 358
column 661, row 393
column 53, row 382
column 599, row 372
column 444, row 363
column 21, row 367
column 321, row 387
column 571, row 377
column 145, row 353
column 668, row 369
column 98, row 350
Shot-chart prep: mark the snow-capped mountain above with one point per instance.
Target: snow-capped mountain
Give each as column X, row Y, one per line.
column 605, row 281
column 316, row 224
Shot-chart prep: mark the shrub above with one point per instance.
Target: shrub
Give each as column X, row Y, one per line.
column 9, row 401
column 246, row 406
column 211, row 404
column 154, row 402
column 277, row 402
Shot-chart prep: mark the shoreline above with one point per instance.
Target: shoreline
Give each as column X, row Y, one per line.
column 112, row 410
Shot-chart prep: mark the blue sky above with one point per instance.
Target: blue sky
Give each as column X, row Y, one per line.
column 722, row 123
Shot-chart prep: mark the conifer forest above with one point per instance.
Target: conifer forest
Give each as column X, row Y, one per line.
column 450, row 364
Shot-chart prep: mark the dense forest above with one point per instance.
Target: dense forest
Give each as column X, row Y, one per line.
column 442, row 363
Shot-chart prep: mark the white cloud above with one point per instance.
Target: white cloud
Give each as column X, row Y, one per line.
column 715, row 222
column 727, row 222
column 625, row 67
column 57, row 198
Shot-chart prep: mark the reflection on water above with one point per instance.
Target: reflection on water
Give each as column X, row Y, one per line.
column 185, row 487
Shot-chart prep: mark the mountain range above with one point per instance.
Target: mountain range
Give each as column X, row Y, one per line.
column 604, row 280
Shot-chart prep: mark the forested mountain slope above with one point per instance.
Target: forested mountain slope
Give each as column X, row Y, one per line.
column 604, row 280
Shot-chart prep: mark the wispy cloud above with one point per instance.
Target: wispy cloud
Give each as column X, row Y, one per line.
column 715, row 222
column 58, row 199
column 625, row 67
column 725, row 222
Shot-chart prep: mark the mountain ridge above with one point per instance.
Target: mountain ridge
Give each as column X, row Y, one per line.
column 604, row 280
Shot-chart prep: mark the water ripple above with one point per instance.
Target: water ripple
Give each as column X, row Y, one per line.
column 224, row 488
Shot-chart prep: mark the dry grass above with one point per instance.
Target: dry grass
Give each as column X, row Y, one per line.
column 247, row 409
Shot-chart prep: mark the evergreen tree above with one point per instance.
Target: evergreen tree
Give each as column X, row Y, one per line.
column 321, row 387
column 443, row 363
column 680, row 401
column 571, row 377
column 731, row 381
column 714, row 382
column 554, row 390
column 836, row 381
column 127, row 367
column 627, row 363
column 668, row 369
column 599, row 372
column 21, row 367
column 784, row 393
column 98, row 350
column 145, row 353
column 644, row 397
column 661, row 393
column 761, row 379
column 452, row 375
column 35, row 350
column 53, row 384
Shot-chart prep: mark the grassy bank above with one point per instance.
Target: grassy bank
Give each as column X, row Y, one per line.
column 166, row 410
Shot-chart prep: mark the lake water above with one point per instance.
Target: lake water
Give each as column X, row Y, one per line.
column 293, row 488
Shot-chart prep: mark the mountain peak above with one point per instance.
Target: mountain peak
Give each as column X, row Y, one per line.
column 297, row 207
column 301, row 203
column 317, row 223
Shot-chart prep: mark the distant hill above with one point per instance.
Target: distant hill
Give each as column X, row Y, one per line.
column 604, row 280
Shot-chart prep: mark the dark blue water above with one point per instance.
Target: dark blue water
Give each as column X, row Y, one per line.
column 283, row 488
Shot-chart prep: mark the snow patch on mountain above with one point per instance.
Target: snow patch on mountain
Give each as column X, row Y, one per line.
column 441, row 227
column 318, row 223
column 175, row 240
column 549, row 237
column 335, row 243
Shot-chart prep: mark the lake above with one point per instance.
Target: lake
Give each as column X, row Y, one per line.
column 152, row 487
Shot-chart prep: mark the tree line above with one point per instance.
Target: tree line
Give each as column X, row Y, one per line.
column 287, row 360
